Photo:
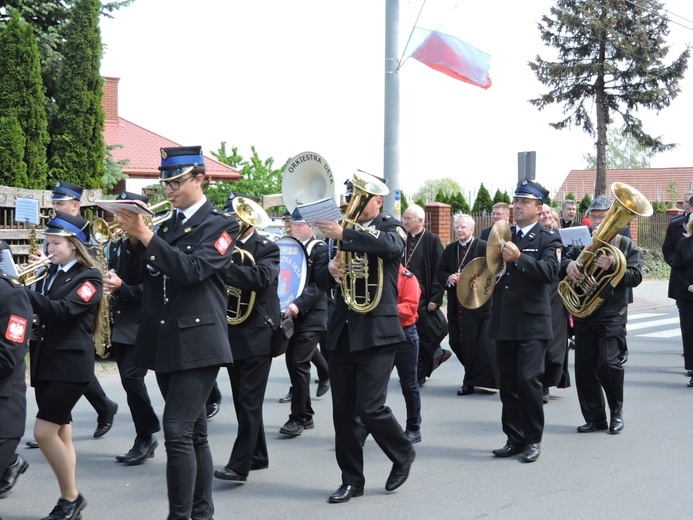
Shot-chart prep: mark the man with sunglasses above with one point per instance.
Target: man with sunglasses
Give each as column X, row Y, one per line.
column 183, row 332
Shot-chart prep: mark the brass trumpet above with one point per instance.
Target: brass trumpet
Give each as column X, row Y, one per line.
column 102, row 231
column 29, row 274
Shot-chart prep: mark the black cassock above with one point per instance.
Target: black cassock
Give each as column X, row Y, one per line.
column 469, row 328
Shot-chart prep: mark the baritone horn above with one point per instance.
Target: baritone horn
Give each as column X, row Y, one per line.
column 249, row 214
column 582, row 298
column 360, row 293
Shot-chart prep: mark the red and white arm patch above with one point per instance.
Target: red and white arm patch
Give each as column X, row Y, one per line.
column 223, row 243
column 16, row 329
column 86, row 291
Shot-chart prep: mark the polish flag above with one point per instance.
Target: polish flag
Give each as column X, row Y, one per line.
column 451, row 56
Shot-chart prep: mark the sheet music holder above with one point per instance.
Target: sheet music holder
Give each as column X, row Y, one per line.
column 323, row 209
column 7, row 263
column 112, row 206
column 27, row 211
column 578, row 236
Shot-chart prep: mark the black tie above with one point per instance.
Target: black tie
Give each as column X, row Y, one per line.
column 54, row 283
column 520, row 234
column 179, row 220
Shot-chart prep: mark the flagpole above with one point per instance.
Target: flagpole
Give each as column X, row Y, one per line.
column 391, row 126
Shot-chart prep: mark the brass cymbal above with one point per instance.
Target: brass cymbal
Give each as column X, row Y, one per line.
column 500, row 234
column 476, row 284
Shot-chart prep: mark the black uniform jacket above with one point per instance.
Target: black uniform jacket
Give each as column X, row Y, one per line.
column 675, row 231
column 253, row 337
column 15, row 323
column 312, row 302
column 126, row 303
column 67, row 312
column 431, row 290
column 521, row 299
column 380, row 326
column 614, row 308
column 183, row 272
column 682, row 269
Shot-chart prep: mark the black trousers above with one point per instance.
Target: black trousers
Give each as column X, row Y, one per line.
column 359, row 382
column 8, row 454
column 97, row 398
column 520, row 367
column 248, row 384
column 685, row 315
column 299, row 353
column 132, row 378
column 189, row 467
column 597, row 347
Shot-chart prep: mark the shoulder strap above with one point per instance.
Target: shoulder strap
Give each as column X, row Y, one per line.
column 269, row 320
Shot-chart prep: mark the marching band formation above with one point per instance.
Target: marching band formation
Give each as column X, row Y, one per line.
column 184, row 289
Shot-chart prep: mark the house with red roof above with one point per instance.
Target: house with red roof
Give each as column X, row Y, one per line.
column 141, row 147
column 653, row 183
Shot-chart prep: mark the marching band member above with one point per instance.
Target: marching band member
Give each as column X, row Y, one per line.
column 67, row 303
column 15, row 319
column 183, row 333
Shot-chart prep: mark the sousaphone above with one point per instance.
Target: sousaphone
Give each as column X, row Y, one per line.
column 307, row 178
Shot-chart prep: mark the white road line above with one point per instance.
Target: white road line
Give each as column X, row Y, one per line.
column 650, row 324
column 644, row 315
column 671, row 333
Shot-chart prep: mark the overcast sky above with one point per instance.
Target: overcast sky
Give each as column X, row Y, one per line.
column 308, row 75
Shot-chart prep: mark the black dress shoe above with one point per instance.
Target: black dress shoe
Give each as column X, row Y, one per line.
column 32, row 444
column 291, row 428
column 9, row 479
column 689, row 384
column 621, row 360
column 229, row 474
column 213, row 409
column 143, row 450
column 66, row 510
column 309, row 423
column 616, row 424
column 414, row 436
column 104, row 424
column 590, row 427
column 323, row 387
column 287, row 397
column 465, row 390
column 344, row 494
column 508, row 451
column 531, row 452
column 689, row 373
column 547, row 396
column 399, row 473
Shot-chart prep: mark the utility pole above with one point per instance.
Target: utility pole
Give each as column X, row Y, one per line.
column 391, row 126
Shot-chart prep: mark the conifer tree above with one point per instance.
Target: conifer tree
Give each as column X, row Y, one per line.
column 610, row 55
column 78, row 151
column 21, row 98
column 483, row 201
column 12, row 146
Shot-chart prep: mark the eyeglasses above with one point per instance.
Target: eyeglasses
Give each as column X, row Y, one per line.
column 174, row 185
column 407, row 219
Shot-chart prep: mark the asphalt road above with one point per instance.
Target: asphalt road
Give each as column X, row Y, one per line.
column 640, row 474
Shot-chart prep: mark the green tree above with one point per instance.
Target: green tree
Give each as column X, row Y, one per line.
column 622, row 152
column 673, row 194
column 21, row 97
column 404, row 203
column 420, row 202
column 459, row 204
column 78, row 150
column 113, row 170
column 430, row 188
column 49, row 19
column 12, row 146
column 259, row 176
column 584, row 203
column 571, row 196
column 483, row 202
column 609, row 55
column 501, row 197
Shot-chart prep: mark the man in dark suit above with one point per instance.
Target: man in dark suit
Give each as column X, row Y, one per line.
column 601, row 336
column 15, row 320
column 362, row 342
column 183, row 333
column 422, row 257
column 126, row 308
column 250, row 334
column 675, row 231
column 500, row 211
column 309, row 311
column 521, row 322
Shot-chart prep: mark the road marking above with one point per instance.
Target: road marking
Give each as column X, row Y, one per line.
column 644, row 315
column 671, row 333
column 650, row 324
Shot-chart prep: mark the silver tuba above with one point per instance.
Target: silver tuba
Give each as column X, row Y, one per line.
column 307, row 178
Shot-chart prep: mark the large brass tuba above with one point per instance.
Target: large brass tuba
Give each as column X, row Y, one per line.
column 248, row 213
column 582, row 298
column 360, row 294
